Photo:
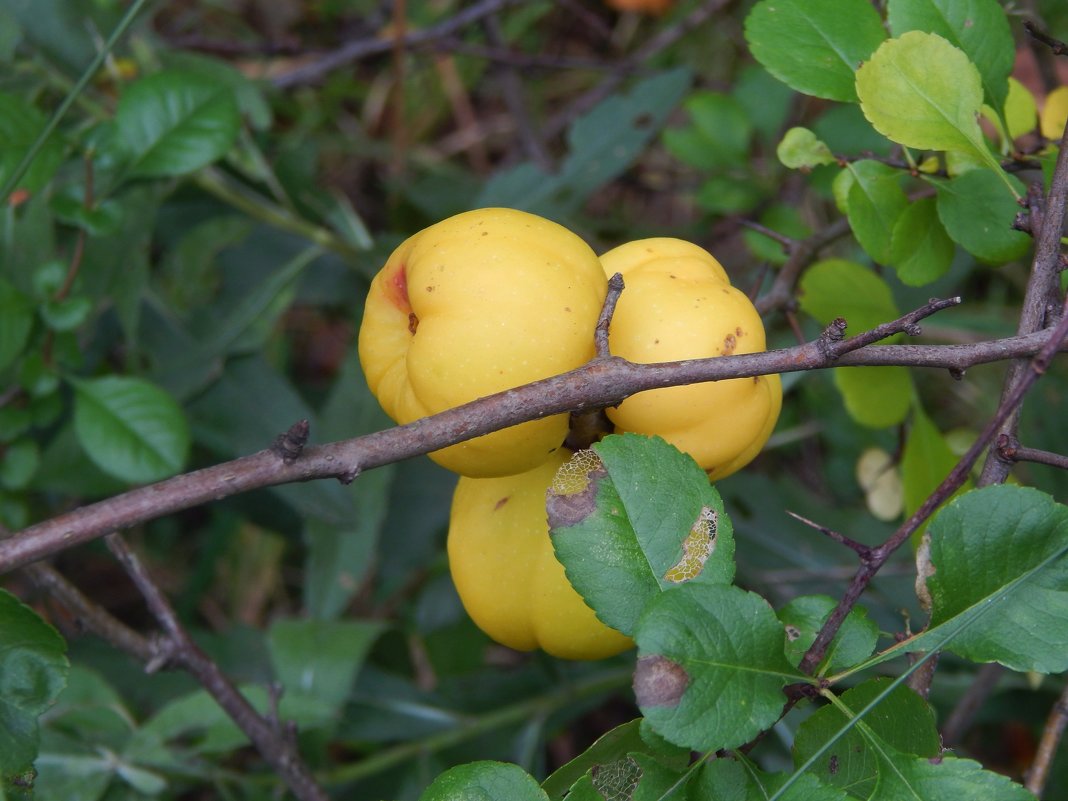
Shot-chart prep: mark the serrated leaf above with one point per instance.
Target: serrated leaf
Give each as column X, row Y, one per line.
column 174, row 122
column 800, row 149
column 320, row 658
column 978, row 215
column 16, row 322
column 985, row 540
column 20, row 125
column 33, row 671
column 920, row 91
column 804, row 616
column 484, row 781
column 979, row 28
column 130, row 428
column 611, row 747
column 947, row 779
column 876, row 397
column 814, row 46
column 920, row 249
column 711, row 666
column 902, row 720
column 639, row 519
column 875, row 202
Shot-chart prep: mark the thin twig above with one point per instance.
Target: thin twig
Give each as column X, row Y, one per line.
column 1010, row 449
column 271, row 741
column 598, row 384
column 604, row 322
column 1052, row 733
column 859, row 548
column 1056, row 46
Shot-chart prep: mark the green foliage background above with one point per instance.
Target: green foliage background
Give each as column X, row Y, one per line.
column 182, row 273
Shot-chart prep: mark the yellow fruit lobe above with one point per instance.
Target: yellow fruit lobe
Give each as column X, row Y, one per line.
column 678, row 304
column 504, row 568
column 479, row 303
column 1054, row 114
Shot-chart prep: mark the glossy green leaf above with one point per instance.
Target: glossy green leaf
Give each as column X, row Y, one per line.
column 484, row 781
column 130, row 428
column 920, row 249
column 978, row 215
column 979, row 28
column 711, row 666
column 718, row 135
column 320, row 658
column 803, row 618
column 33, row 671
column 800, row 149
column 20, row 125
column 920, row 91
column 635, row 518
column 173, row 122
column 814, row 46
column 875, row 202
column 876, row 397
column 902, row 720
column 16, row 322
column 983, row 541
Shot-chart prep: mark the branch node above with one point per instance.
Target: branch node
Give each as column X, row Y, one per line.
column 957, row 373
column 600, row 333
column 348, row 476
column 913, row 329
column 290, row 445
column 1022, row 222
column 1007, row 445
column 835, row 332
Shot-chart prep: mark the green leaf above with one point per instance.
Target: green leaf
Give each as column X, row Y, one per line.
column 926, row 461
column 979, row 28
column 484, row 781
column 876, row 397
column 839, row 288
column 718, row 136
column 174, row 122
column 18, row 463
column 1021, row 110
column 902, row 720
column 16, row 322
column 730, row 780
column 922, row 92
column 612, row 747
column 948, row 779
column 983, row 541
column 803, row 618
column 320, row 658
column 66, row 314
column 602, row 144
column 814, row 46
column 711, row 666
column 20, row 125
column 920, row 249
column 130, row 428
column 33, row 671
column 801, row 150
column 978, row 215
column 632, row 776
column 634, row 518
column 874, row 203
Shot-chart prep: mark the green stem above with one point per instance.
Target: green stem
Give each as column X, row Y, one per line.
column 72, row 95
column 524, row 710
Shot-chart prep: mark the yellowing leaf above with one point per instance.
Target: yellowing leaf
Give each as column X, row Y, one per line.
column 1055, row 113
column 1021, row 111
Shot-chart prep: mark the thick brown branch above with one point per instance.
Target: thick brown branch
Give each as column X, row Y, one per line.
column 598, row 384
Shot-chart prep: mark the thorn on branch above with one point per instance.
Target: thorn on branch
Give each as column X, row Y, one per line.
column 859, row 548
column 1022, row 222
column 600, row 333
column 833, row 333
column 290, row 445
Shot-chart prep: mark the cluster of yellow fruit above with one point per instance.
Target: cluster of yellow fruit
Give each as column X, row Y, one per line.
column 496, row 298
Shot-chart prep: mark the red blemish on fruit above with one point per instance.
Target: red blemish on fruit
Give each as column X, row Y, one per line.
column 501, row 502
column 397, row 289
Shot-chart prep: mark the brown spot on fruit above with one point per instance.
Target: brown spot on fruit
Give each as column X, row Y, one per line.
column 659, row 682
column 413, row 323
column 738, row 332
column 501, row 502
column 730, row 342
